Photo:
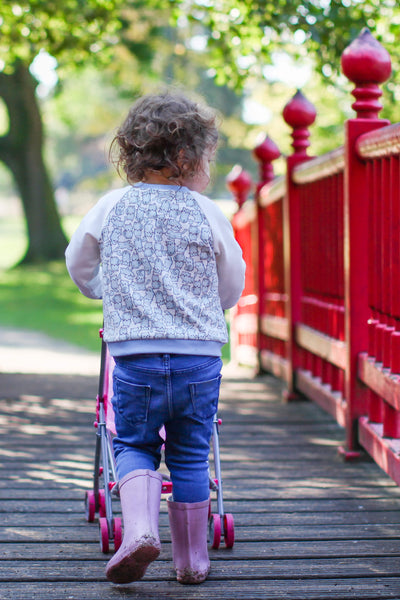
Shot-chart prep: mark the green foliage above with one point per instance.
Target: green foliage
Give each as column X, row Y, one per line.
column 243, row 34
column 63, row 28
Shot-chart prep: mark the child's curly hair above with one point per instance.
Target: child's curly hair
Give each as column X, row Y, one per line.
column 164, row 131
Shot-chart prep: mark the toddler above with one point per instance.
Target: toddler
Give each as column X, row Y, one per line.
column 165, row 262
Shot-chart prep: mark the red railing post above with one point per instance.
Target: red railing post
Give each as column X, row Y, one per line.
column 366, row 63
column 239, row 182
column 265, row 153
column 299, row 114
column 243, row 321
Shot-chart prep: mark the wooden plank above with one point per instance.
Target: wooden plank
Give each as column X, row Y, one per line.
column 328, row 348
column 234, row 470
column 246, row 323
column 272, row 191
column 239, row 414
column 270, row 532
column 14, row 519
column 276, row 327
column 314, row 568
column 267, row 439
column 372, row 588
column 232, row 474
column 247, row 550
column 384, row 451
column 380, row 380
column 275, row 364
column 321, row 394
column 256, row 506
column 232, row 492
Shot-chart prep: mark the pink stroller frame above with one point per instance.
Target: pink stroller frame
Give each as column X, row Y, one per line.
column 99, row 499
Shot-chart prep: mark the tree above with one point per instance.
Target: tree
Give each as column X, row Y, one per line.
column 72, row 31
column 241, row 34
column 243, row 37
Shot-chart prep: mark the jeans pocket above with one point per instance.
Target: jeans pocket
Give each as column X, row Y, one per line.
column 131, row 401
column 204, row 395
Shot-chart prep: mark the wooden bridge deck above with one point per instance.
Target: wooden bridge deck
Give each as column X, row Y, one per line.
column 307, row 524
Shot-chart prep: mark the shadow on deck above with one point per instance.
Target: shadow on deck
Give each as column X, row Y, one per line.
column 307, row 524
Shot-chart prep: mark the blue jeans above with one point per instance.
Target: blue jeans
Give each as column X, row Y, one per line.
column 177, row 391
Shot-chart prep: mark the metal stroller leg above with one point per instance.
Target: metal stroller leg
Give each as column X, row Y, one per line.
column 99, row 499
column 220, row 524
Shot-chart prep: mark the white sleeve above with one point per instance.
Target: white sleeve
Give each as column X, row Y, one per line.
column 230, row 264
column 82, row 255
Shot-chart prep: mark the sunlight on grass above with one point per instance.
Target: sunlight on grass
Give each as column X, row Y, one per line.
column 12, row 241
column 43, row 298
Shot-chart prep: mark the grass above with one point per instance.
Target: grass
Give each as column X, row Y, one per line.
column 43, row 297
column 12, row 242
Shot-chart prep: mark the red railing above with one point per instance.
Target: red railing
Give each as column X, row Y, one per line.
column 322, row 245
column 322, row 358
column 379, row 366
column 273, row 326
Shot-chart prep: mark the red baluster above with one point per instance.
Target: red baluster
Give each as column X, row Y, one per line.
column 372, row 324
column 391, row 421
column 379, row 336
column 387, row 346
column 395, row 352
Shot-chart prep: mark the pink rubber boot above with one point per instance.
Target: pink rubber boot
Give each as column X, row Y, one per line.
column 140, row 493
column 188, row 522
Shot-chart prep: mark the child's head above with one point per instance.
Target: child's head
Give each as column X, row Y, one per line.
column 165, row 134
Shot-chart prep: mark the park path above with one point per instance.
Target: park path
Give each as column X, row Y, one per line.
column 308, row 526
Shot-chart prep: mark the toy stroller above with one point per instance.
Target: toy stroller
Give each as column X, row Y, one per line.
column 99, row 499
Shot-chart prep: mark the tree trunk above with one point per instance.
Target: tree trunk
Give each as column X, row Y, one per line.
column 21, row 149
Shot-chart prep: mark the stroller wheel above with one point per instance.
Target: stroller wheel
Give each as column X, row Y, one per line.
column 117, row 529
column 102, row 503
column 103, row 535
column 90, row 506
column 215, row 531
column 229, row 530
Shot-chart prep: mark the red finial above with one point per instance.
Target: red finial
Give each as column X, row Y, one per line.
column 366, row 63
column 266, row 152
column 299, row 113
column 239, row 183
